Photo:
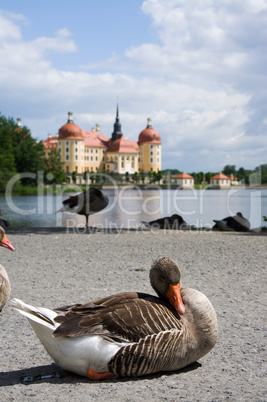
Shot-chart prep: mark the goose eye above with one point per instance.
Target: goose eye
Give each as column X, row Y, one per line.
column 162, row 277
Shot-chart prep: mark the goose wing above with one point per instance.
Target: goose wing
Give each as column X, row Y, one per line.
column 122, row 317
column 92, row 200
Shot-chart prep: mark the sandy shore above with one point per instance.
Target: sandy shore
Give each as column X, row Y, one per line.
column 59, row 268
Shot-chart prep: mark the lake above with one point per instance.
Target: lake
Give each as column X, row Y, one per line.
column 128, row 207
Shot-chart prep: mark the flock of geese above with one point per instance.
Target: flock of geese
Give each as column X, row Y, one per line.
column 128, row 334
column 94, row 200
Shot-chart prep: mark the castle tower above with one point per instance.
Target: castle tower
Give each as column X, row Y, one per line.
column 117, row 127
column 150, row 148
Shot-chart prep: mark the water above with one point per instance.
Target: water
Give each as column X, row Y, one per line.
column 127, row 208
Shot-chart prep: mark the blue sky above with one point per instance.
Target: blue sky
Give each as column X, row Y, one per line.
column 197, row 68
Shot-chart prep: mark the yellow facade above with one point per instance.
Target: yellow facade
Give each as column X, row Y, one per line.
column 150, row 157
column 72, row 154
column 90, row 151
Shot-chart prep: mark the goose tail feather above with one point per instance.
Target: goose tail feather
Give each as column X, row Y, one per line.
column 42, row 316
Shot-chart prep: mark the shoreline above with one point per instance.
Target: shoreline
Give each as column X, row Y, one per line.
column 114, row 230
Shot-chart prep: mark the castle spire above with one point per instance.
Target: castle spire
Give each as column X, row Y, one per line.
column 117, row 126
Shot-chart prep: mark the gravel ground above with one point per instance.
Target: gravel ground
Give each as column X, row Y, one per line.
column 58, row 268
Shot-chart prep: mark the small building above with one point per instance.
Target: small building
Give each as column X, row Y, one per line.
column 184, row 181
column 220, row 181
column 234, row 180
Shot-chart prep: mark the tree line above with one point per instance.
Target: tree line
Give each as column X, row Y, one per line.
column 246, row 176
column 20, row 153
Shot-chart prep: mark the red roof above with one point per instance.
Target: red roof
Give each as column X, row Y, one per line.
column 150, row 135
column 50, row 143
column 94, row 139
column 70, row 131
column 122, row 145
column 183, row 176
column 220, row 176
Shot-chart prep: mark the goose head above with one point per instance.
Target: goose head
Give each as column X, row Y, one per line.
column 165, row 280
column 4, row 242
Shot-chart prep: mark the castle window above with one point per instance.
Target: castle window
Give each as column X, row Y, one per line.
column 67, row 149
column 76, row 157
column 151, row 160
column 67, row 157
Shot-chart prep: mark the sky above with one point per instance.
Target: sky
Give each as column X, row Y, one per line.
column 197, row 68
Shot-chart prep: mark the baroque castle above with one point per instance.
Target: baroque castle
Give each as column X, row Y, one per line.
column 91, row 151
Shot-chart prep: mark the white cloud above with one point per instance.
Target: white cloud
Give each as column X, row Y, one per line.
column 202, row 82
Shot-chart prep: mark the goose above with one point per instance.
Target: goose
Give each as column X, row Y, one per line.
column 169, row 222
column 4, row 281
column 3, row 221
column 87, row 203
column 129, row 334
column 235, row 223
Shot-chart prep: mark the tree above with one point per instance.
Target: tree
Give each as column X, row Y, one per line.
column 150, row 176
column 85, row 176
column 74, row 176
column 92, row 176
column 136, row 177
column 142, row 176
column 28, row 153
column 54, row 166
column 7, row 160
column 127, row 177
column 158, row 176
column 229, row 169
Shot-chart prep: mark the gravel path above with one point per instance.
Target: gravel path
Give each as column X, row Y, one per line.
column 56, row 269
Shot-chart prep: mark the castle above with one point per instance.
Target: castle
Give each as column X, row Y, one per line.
column 91, row 151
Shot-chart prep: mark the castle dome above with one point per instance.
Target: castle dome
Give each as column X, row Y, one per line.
column 149, row 134
column 70, row 130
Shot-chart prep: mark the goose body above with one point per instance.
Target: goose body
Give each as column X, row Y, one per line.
column 235, row 223
column 169, row 222
column 87, row 203
column 3, row 221
column 5, row 287
column 129, row 334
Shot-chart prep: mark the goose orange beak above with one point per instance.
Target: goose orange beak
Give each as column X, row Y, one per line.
column 174, row 297
column 6, row 243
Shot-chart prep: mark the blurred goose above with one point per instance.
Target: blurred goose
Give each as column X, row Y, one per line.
column 169, row 222
column 3, row 221
column 87, row 203
column 235, row 223
column 4, row 281
column 129, row 334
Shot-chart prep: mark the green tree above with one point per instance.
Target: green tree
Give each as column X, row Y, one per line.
column 28, row 153
column 54, row 166
column 92, row 176
column 136, row 177
column 142, row 176
column 127, row 177
column 229, row 169
column 150, row 176
column 74, row 176
column 158, row 176
column 7, row 160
